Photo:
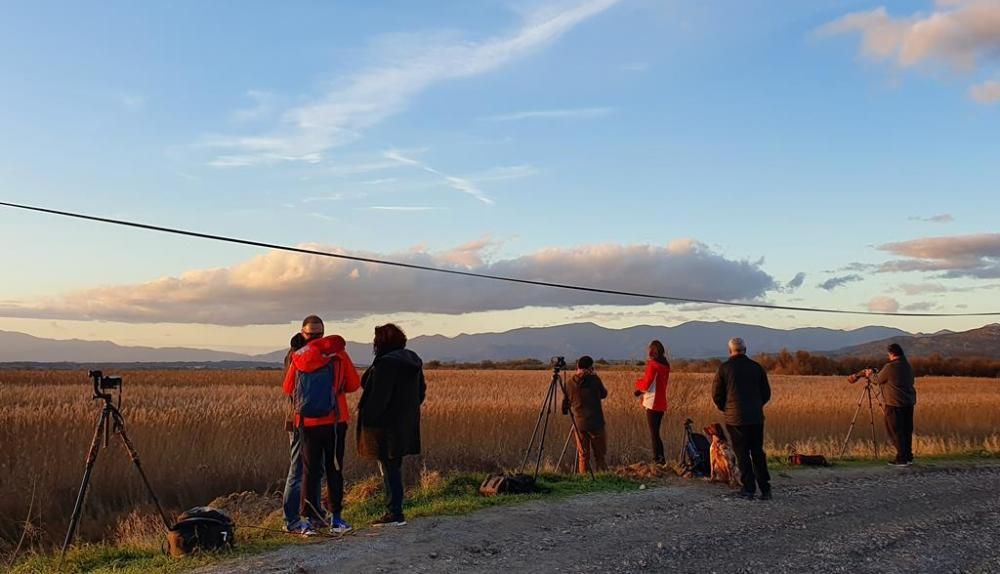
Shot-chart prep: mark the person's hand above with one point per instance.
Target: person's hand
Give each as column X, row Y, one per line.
column 869, row 372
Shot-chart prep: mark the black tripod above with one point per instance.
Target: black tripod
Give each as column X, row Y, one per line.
column 873, row 395
column 548, row 404
column 111, row 421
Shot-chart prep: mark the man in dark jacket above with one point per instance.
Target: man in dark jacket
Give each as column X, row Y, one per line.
column 899, row 396
column 389, row 414
column 741, row 390
column 584, row 393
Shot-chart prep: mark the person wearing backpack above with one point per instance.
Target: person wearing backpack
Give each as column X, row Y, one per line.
column 652, row 388
column 389, row 414
column 319, row 377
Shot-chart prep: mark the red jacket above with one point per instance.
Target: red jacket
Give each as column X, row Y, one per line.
column 317, row 354
column 653, row 385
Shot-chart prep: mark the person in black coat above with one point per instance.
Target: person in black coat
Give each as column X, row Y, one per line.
column 740, row 391
column 389, row 414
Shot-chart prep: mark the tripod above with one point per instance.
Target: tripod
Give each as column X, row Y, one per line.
column 111, row 421
column 873, row 395
column 548, row 404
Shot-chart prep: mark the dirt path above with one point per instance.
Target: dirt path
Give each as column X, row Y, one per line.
column 933, row 518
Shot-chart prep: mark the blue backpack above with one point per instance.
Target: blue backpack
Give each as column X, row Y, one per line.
column 314, row 396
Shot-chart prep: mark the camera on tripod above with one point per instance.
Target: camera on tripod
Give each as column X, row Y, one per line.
column 105, row 383
column 558, row 363
column 855, row 377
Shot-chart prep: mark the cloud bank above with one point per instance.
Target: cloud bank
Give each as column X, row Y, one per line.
column 976, row 256
column 277, row 287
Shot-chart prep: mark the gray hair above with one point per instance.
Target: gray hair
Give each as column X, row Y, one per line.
column 737, row 345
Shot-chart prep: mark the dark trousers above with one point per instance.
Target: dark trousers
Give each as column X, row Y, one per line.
column 323, row 450
column 899, row 425
column 748, row 443
column 654, row 419
column 392, row 477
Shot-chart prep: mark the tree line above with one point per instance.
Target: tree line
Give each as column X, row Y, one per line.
column 783, row 363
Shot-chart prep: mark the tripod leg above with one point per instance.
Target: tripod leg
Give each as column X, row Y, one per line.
column 562, row 455
column 134, row 455
column 550, row 398
column 534, row 433
column 871, row 417
column 95, row 447
column 854, row 420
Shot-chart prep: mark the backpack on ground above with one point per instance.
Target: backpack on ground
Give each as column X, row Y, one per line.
column 496, row 484
column 694, row 459
column 806, row 459
column 201, row 529
column 314, row 395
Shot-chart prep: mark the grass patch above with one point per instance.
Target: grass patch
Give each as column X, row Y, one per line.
column 436, row 495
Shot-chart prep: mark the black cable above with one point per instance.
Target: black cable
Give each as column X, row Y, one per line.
column 413, row 266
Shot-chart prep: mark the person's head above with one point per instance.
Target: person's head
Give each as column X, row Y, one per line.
column 585, row 363
column 298, row 341
column 312, row 327
column 388, row 337
column 656, row 351
column 737, row 347
column 895, row 351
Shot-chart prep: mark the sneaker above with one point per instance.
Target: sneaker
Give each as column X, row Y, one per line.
column 303, row 527
column 339, row 526
column 389, row 519
column 899, row 464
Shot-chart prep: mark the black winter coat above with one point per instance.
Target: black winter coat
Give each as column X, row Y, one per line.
column 389, row 409
column 741, row 390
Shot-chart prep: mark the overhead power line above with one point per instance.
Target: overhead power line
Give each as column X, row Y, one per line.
column 473, row 274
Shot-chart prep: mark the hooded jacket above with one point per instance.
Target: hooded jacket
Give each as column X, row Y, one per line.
column 389, row 410
column 316, row 355
column 653, row 385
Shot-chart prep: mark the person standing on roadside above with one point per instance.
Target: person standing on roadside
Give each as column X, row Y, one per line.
column 584, row 393
column 652, row 387
column 389, row 414
column 320, row 375
column 741, row 390
column 899, row 396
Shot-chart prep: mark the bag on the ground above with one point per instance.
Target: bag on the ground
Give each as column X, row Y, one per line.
column 694, row 458
column 807, row 459
column 314, row 396
column 200, row 529
column 503, row 484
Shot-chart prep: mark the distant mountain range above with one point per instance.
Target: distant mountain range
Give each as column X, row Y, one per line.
column 981, row 342
column 689, row 340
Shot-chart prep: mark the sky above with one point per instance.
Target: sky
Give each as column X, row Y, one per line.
column 833, row 153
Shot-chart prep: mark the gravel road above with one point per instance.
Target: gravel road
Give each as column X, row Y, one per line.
column 927, row 518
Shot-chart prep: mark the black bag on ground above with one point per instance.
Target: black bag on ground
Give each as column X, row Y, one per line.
column 200, row 529
column 694, row 458
column 502, row 484
column 807, row 459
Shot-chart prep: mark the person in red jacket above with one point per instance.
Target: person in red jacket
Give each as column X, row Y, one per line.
column 323, row 437
column 652, row 387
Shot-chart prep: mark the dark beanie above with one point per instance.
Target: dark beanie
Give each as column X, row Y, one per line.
column 895, row 349
column 585, row 362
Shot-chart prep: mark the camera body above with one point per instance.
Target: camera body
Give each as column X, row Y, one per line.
column 558, row 363
column 104, row 383
column 855, row 377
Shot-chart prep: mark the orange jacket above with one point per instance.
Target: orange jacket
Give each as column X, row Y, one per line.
column 653, row 385
column 317, row 354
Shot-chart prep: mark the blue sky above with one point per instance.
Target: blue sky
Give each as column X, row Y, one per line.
column 743, row 144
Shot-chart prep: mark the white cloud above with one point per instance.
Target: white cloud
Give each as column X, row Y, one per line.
column 566, row 113
column 883, row 305
column 976, row 255
column 940, row 218
column 457, row 183
column 986, row 93
column 961, row 35
column 366, row 98
column 276, row 286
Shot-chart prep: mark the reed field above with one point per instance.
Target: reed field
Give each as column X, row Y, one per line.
column 203, row 434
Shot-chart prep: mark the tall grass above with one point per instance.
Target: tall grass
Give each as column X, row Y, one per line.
column 203, row 434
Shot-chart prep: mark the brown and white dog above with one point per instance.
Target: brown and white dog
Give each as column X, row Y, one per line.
column 724, row 467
